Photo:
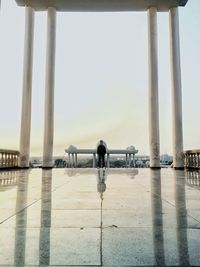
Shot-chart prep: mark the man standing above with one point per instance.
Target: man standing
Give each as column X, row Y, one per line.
column 101, row 151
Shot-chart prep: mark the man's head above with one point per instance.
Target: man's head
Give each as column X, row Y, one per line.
column 101, row 142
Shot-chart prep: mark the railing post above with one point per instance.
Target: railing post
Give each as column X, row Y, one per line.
column 94, row 160
column 8, row 158
column 108, row 160
column 1, row 161
column 192, row 159
column 198, row 160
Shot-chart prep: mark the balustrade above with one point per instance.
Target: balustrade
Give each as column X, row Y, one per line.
column 192, row 159
column 8, row 158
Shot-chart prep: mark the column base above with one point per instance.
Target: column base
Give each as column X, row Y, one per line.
column 47, row 168
column 179, row 168
column 48, row 163
column 155, row 168
column 11, row 168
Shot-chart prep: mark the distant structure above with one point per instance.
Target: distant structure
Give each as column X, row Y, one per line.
column 152, row 7
column 166, row 159
column 73, row 153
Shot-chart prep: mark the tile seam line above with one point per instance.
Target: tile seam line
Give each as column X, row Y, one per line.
column 163, row 199
column 31, row 204
column 101, row 235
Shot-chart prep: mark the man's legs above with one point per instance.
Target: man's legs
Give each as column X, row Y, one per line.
column 99, row 161
column 103, row 161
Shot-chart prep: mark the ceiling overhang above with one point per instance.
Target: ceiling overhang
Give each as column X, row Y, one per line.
column 101, row 5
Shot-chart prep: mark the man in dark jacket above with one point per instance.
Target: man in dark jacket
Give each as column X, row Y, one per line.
column 101, row 151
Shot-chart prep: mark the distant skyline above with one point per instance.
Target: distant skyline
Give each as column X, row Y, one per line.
column 101, row 84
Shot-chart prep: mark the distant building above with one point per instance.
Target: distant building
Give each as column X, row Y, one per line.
column 166, row 159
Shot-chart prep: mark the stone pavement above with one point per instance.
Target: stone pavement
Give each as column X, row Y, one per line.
column 90, row 217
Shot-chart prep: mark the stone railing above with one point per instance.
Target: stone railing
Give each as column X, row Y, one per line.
column 8, row 158
column 192, row 159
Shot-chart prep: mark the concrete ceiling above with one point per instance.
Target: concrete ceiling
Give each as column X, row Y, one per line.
column 102, row 5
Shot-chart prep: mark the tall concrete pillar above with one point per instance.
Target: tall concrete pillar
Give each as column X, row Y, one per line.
column 49, row 89
column 154, row 138
column 27, row 89
column 178, row 157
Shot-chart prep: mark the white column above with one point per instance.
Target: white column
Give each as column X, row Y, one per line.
column 134, row 160
column 69, row 157
column 49, row 89
column 76, row 160
column 94, row 160
column 177, row 127
column 154, row 138
column 108, row 160
column 129, row 160
column 27, row 89
column 73, row 162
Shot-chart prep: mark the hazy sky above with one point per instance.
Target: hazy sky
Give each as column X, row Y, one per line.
column 101, row 79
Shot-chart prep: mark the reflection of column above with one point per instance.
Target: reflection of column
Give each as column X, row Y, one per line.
column 27, row 89
column 94, row 160
column 45, row 226
column 176, row 90
column 154, row 138
column 108, row 160
column 181, row 218
column 49, row 89
column 21, row 219
column 157, row 219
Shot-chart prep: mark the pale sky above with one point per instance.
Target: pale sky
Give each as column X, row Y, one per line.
column 101, row 79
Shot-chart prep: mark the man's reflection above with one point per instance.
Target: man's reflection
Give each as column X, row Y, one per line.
column 101, row 178
column 21, row 218
column 45, row 226
column 181, row 218
column 157, row 218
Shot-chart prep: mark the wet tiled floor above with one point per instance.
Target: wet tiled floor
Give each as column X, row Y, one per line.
column 89, row 217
